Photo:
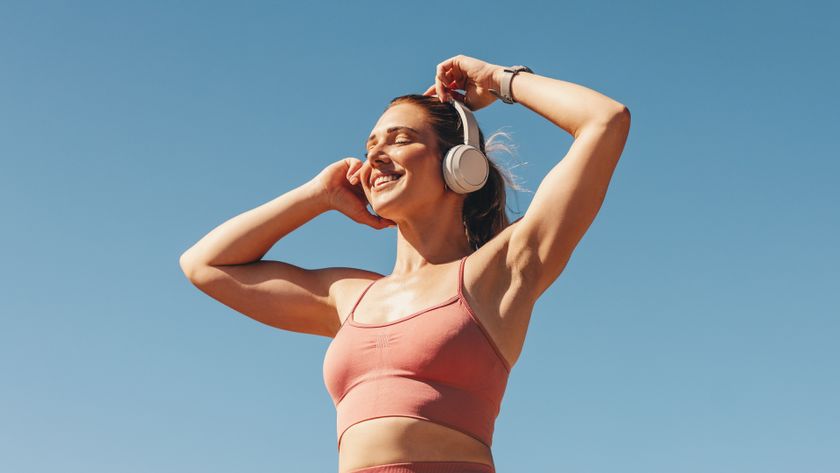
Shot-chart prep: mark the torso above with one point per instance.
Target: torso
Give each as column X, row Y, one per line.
column 500, row 301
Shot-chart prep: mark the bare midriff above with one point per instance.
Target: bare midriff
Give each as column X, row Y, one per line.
column 405, row 439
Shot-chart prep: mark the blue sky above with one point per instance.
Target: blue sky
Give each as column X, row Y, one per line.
column 694, row 329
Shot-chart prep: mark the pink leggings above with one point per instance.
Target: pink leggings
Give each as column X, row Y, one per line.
column 428, row 467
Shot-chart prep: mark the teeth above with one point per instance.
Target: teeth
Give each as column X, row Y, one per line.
column 382, row 179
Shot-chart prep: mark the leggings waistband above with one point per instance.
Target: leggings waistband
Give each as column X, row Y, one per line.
column 429, row 467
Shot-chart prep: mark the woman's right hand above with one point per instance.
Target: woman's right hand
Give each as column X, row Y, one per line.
column 343, row 191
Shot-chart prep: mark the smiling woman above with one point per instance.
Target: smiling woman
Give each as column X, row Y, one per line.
column 439, row 129
column 420, row 358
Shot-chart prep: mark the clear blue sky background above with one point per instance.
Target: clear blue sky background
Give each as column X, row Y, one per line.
column 694, row 330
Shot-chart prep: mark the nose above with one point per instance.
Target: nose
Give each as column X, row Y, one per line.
column 374, row 154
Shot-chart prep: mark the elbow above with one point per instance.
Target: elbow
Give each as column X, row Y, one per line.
column 184, row 262
column 625, row 113
column 619, row 119
column 621, row 115
column 188, row 266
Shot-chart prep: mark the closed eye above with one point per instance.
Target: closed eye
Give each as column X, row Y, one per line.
column 400, row 142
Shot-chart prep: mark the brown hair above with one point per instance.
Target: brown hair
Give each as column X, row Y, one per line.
column 484, row 210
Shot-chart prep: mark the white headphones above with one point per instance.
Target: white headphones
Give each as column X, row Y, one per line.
column 465, row 167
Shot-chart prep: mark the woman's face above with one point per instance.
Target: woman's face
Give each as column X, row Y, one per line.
column 402, row 144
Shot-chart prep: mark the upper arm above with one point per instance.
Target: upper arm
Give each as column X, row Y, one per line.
column 567, row 201
column 278, row 294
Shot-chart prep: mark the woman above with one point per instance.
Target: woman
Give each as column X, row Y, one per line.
column 420, row 358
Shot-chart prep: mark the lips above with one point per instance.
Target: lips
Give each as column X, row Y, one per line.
column 384, row 184
column 378, row 175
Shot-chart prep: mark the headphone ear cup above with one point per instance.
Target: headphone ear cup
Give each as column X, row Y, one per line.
column 465, row 169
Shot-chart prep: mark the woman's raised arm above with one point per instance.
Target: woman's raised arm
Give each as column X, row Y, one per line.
column 570, row 196
column 247, row 237
column 226, row 263
column 541, row 242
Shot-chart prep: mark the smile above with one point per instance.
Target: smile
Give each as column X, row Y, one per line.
column 385, row 182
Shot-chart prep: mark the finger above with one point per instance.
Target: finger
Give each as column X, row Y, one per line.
column 447, row 78
column 454, row 79
column 352, row 163
column 447, row 75
column 352, row 168
column 374, row 221
column 356, row 167
column 360, row 214
column 459, row 96
column 349, row 162
column 441, row 80
column 442, row 90
column 359, row 170
column 439, row 89
column 382, row 223
column 432, row 90
column 387, row 222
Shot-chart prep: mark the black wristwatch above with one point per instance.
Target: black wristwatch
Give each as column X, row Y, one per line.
column 505, row 94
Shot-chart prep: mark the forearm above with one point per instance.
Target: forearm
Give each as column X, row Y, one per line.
column 569, row 106
column 248, row 237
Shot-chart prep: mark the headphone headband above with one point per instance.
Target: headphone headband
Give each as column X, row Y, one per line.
column 470, row 125
column 465, row 167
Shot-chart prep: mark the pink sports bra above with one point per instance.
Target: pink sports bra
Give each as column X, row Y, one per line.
column 439, row 364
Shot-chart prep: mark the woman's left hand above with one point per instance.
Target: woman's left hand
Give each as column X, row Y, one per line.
column 474, row 76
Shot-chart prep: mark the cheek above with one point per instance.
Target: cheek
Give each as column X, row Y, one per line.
column 432, row 175
column 422, row 162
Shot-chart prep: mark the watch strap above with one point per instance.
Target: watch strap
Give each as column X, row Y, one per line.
column 509, row 72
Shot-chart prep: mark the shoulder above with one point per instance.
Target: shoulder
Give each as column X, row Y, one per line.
column 348, row 284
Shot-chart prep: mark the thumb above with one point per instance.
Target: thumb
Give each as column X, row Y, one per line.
column 380, row 223
column 363, row 216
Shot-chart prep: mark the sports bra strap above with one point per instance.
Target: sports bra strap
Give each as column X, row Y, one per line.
column 460, row 288
column 461, row 277
column 362, row 295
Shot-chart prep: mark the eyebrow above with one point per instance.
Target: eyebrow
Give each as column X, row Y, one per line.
column 391, row 130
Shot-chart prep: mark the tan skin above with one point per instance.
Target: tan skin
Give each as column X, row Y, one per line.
column 502, row 280
column 431, row 240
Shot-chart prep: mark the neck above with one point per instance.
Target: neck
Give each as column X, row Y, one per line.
column 434, row 237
